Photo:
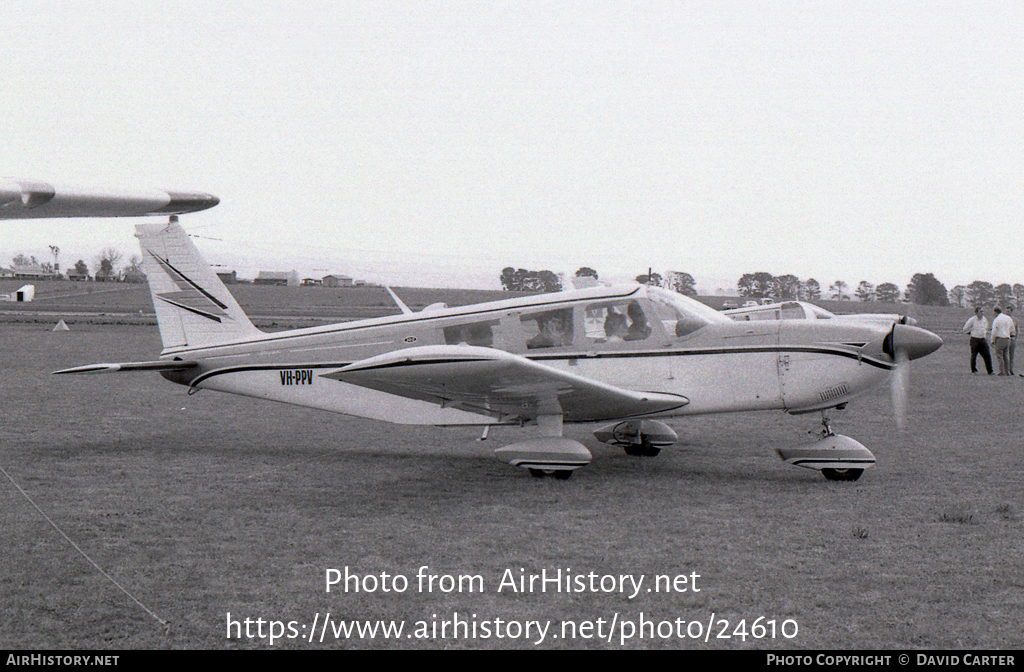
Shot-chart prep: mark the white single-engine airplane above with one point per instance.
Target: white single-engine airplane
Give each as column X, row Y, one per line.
column 626, row 355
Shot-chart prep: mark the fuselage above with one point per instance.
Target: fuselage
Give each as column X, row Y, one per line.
column 659, row 342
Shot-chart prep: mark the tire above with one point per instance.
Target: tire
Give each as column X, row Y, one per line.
column 537, row 473
column 642, row 450
column 842, row 474
column 563, row 474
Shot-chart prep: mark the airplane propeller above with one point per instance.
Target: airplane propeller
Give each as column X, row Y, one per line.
column 903, row 344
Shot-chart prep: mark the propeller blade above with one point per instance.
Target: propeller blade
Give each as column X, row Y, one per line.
column 900, row 386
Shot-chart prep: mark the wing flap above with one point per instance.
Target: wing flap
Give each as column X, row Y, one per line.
column 500, row 384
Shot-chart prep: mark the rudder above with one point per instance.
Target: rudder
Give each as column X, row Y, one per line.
column 193, row 307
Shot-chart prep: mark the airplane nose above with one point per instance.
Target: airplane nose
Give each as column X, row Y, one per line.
column 914, row 341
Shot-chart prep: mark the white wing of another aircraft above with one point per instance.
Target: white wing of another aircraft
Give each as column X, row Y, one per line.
column 31, row 199
column 498, row 383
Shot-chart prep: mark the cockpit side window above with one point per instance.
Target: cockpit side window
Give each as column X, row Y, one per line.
column 474, row 333
column 550, row 329
column 616, row 321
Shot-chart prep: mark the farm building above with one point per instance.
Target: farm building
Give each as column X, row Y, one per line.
column 337, row 281
column 280, row 278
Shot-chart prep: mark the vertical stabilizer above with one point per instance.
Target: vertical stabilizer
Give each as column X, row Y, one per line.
column 193, row 307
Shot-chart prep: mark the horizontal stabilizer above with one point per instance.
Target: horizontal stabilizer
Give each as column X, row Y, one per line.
column 30, row 199
column 164, row 365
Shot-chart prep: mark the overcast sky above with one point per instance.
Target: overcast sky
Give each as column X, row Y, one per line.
column 435, row 143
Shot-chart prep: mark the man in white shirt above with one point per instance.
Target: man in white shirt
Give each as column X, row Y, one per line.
column 1002, row 326
column 977, row 327
column 1013, row 335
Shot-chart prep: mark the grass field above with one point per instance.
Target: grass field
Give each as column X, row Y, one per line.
column 207, row 504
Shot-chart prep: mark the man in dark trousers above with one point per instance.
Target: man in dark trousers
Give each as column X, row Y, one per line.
column 977, row 327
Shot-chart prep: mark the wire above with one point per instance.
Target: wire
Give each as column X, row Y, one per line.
column 159, row 620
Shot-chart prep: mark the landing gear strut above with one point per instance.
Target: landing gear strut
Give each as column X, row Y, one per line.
column 836, row 474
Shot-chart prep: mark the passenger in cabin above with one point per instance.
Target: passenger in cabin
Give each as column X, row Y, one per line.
column 615, row 326
column 638, row 328
column 554, row 330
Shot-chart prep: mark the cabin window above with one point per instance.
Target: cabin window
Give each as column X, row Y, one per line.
column 550, row 329
column 772, row 314
column 617, row 321
column 475, row 333
column 792, row 311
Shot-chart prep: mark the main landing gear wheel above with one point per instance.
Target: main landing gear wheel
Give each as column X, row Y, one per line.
column 559, row 474
column 642, row 450
column 842, row 474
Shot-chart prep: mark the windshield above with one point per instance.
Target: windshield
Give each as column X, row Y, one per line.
column 819, row 313
column 680, row 314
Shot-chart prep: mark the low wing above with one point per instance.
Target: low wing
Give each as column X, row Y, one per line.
column 500, row 384
column 163, row 365
column 30, row 199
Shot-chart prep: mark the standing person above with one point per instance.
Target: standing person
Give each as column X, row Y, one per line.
column 977, row 327
column 1013, row 335
column 1002, row 325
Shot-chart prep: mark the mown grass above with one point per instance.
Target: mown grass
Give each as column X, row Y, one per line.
column 211, row 504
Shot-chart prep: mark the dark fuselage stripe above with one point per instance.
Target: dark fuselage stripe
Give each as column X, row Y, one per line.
column 609, row 355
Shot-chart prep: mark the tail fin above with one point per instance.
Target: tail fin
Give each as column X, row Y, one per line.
column 193, row 307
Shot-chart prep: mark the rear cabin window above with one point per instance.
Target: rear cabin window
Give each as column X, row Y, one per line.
column 475, row 333
column 618, row 321
column 550, row 329
column 792, row 311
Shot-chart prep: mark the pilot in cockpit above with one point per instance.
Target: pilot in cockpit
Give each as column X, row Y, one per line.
column 638, row 328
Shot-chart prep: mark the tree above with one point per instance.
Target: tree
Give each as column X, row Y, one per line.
column 810, row 290
column 980, row 293
column 522, row 280
column 81, row 269
column 887, row 293
column 865, row 291
column 745, row 284
column 957, row 296
column 22, row 260
column 549, row 282
column 757, row 285
column 586, row 271
column 838, row 289
column 1018, row 294
column 925, row 290
column 787, row 287
column 652, row 279
column 1004, row 294
column 507, row 278
column 680, row 282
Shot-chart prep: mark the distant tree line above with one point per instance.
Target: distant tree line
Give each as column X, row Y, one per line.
column 923, row 289
column 106, row 262
column 985, row 294
column 523, row 280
